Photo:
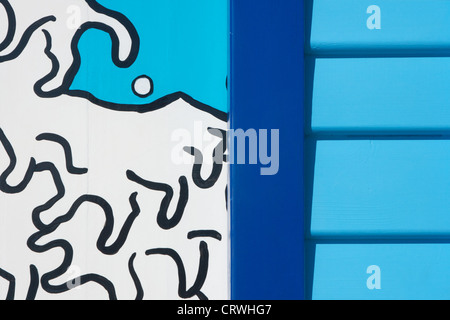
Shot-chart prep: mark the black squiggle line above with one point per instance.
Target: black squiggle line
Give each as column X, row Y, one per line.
column 64, row 267
column 226, row 197
column 152, row 106
column 51, row 75
column 107, row 230
column 64, row 245
column 67, row 151
column 11, row 25
column 61, row 191
column 134, row 276
column 197, row 168
column 135, row 44
column 12, row 283
column 218, row 159
column 204, row 233
column 222, row 134
column 195, row 290
column 34, row 283
column 47, row 229
column 162, row 218
column 4, row 186
column 26, row 38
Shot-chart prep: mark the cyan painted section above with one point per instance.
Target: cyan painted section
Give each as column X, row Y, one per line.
column 381, row 188
column 349, row 26
column 381, row 271
column 379, row 95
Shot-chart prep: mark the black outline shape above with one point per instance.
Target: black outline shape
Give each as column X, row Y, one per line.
column 133, row 85
column 47, row 229
column 134, row 276
column 67, row 151
column 26, row 38
column 204, row 234
column 196, row 288
column 34, row 283
column 74, row 68
column 63, row 268
column 11, row 25
column 61, row 191
column 51, row 75
column 162, row 218
column 108, row 228
column 226, row 196
column 219, row 152
column 12, row 283
column 135, row 40
column 47, row 166
column 197, row 168
column 62, row 244
column 4, row 186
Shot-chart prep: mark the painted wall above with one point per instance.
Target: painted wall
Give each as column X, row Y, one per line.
column 377, row 149
column 112, row 174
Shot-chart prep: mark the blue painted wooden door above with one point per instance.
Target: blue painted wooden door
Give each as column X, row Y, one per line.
column 378, row 153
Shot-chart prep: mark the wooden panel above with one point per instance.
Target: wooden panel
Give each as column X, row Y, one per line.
column 380, row 188
column 379, row 95
column 381, row 271
column 384, row 26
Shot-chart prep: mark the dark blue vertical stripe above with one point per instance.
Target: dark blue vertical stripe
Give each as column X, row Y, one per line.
column 267, row 92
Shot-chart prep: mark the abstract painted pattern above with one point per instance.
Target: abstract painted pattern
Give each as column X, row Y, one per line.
column 120, row 195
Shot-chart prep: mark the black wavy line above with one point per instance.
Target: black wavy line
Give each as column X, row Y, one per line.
column 12, row 283
column 226, row 196
column 64, row 245
column 52, row 74
column 61, row 191
column 26, row 38
column 134, row 276
column 67, row 151
column 4, row 186
column 162, row 218
column 195, row 290
column 47, row 229
column 108, row 228
column 197, row 168
column 64, row 267
column 205, row 233
column 34, row 283
column 11, row 25
column 135, row 45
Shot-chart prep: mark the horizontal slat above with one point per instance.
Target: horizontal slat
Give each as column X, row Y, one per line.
column 341, row 26
column 380, row 188
column 405, row 271
column 379, row 95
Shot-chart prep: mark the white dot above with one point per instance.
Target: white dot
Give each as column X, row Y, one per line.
column 142, row 86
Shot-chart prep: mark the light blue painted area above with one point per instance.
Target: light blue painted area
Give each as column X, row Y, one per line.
column 184, row 47
column 380, row 95
column 381, row 188
column 378, row 157
column 341, row 26
column 406, row 271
